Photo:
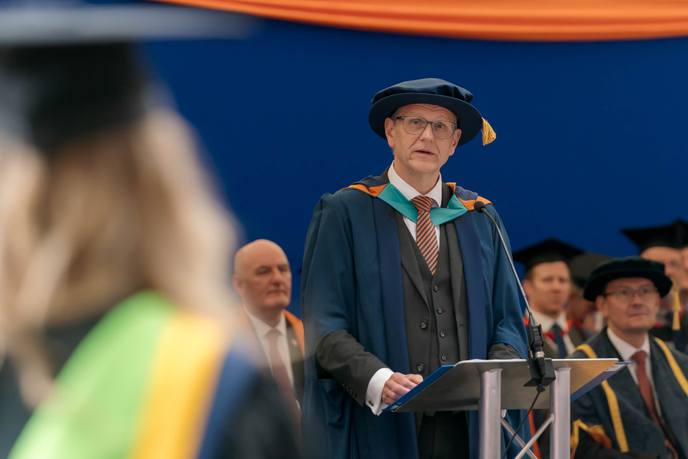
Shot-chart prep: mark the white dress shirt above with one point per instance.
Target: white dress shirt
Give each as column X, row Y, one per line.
column 377, row 382
column 409, row 193
column 626, row 351
column 547, row 324
column 262, row 329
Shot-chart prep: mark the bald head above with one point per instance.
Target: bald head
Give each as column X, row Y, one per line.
column 262, row 278
column 256, row 249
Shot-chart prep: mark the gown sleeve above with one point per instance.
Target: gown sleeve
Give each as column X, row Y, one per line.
column 260, row 427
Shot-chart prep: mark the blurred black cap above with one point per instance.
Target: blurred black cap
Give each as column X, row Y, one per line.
column 51, row 94
column 43, row 22
column 546, row 251
column 70, row 68
column 674, row 235
column 582, row 266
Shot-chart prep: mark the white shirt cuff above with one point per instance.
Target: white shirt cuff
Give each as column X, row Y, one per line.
column 374, row 391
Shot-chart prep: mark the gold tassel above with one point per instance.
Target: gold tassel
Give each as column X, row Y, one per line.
column 488, row 133
column 676, row 324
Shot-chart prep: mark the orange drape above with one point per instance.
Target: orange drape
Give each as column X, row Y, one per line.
column 506, row 20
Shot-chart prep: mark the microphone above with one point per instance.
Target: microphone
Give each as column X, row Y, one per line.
column 541, row 369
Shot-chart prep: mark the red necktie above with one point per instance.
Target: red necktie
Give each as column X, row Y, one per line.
column 646, row 392
column 426, row 238
column 279, row 372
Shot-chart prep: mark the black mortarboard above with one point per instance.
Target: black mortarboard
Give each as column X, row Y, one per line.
column 69, row 22
column 626, row 268
column 674, row 235
column 51, row 94
column 68, row 68
column 582, row 265
column 431, row 91
column 546, row 251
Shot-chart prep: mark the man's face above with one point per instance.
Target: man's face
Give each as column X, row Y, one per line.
column 548, row 287
column 264, row 278
column 634, row 316
column 424, row 153
column 674, row 265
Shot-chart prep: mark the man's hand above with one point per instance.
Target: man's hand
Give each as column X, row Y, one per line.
column 397, row 385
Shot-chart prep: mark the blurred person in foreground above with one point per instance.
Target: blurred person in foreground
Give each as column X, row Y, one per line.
column 402, row 275
column 547, row 284
column 113, row 272
column 581, row 312
column 664, row 244
column 262, row 278
column 640, row 412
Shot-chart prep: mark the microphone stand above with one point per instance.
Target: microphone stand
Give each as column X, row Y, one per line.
column 541, row 369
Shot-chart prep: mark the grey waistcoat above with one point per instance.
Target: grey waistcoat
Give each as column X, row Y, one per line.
column 436, row 318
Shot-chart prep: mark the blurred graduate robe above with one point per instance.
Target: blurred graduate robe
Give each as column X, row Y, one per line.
column 145, row 380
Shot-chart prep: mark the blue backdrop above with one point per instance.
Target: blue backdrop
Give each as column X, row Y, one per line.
column 590, row 136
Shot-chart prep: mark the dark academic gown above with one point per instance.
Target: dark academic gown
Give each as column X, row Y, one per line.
column 256, row 426
column 643, row 437
column 664, row 331
column 352, row 282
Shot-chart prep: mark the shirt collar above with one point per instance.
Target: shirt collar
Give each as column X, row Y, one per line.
column 409, row 192
column 547, row 322
column 626, row 350
column 262, row 329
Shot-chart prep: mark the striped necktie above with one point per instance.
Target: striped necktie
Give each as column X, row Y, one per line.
column 426, row 238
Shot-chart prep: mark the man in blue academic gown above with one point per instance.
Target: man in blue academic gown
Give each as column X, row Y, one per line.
column 641, row 411
column 400, row 277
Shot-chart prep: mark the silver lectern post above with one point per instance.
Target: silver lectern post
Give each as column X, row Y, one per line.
column 491, row 386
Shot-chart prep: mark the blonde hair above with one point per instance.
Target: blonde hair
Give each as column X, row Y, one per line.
column 122, row 210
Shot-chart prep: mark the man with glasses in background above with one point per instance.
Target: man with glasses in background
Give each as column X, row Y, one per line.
column 640, row 412
column 664, row 244
column 401, row 275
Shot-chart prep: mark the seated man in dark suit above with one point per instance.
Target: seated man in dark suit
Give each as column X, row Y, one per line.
column 262, row 277
column 639, row 412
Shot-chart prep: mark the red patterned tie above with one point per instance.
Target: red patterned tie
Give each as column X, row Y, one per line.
column 646, row 391
column 283, row 382
column 426, row 238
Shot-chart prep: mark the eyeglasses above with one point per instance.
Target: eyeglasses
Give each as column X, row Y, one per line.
column 626, row 295
column 415, row 125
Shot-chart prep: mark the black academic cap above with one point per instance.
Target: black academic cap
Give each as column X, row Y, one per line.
column 582, row 265
column 69, row 68
column 43, row 22
column 626, row 268
column 674, row 235
column 52, row 94
column 546, row 251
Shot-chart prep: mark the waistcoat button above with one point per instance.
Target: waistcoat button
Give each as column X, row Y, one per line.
column 435, row 288
column 439, row 311
column 424, row 324
column 444, row 357
column 442, row 335
column 420, row 367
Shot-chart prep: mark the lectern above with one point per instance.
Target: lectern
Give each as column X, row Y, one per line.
column 491, row 386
